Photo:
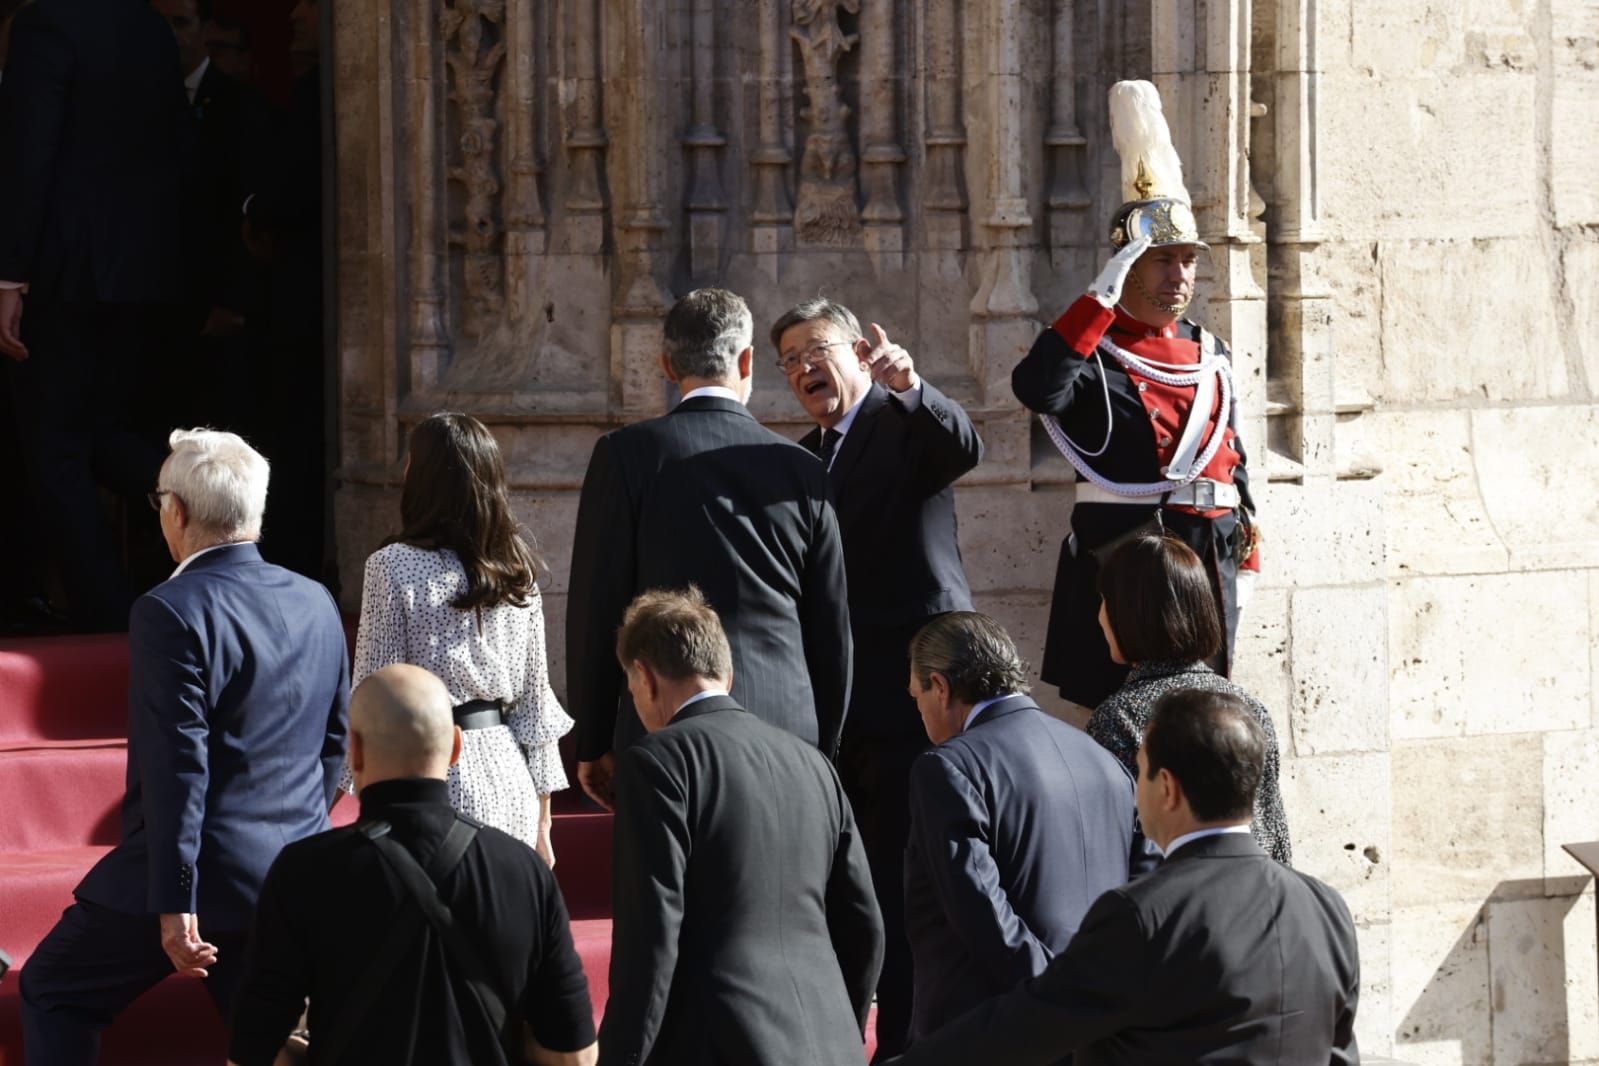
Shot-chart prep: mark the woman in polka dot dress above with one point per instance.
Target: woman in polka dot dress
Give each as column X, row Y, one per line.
column 456, row 593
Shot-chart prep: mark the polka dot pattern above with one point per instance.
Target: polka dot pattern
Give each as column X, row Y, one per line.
column 487, row 654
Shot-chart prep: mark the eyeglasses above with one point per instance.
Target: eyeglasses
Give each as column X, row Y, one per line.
column 155, row 497
column 789, row 362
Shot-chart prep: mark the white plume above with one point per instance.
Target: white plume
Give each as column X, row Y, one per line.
column 1138, row 128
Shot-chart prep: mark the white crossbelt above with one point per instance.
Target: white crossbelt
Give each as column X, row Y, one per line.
column 1201, row 493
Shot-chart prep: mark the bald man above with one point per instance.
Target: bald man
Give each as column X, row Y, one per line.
column 338, row 925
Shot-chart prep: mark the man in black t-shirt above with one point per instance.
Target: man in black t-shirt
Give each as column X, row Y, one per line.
column 332, row 902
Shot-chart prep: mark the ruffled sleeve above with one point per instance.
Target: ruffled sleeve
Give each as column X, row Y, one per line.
column 537, row 720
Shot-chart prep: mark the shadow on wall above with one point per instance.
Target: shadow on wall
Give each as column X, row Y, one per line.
column 1506, row 993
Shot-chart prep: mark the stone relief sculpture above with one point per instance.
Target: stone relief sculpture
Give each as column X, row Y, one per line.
column 466, row 27
column 826, row 212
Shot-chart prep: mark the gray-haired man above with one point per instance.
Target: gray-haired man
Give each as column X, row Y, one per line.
column 705, row 495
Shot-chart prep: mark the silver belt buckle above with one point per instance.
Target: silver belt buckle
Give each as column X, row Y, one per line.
column 1204, row 495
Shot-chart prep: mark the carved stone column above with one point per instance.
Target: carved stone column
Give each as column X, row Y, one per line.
column 524, row 214
column 429, row 347
column 707, row 203
column 1004, row 307
column 827, row 213
column 585, row 139
column 772, row 230
column 641, row 298
column 882, row 156
column 469, row 29
column 944, row 197
column 1070, row 222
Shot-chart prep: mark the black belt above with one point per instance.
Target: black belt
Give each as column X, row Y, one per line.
column 479, row 714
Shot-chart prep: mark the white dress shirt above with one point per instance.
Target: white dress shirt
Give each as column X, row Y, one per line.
column 191, row 84
column 706, row 694
column 911, row 398
column 713, row 390
column 1200, row 834
column 979, row 708
column 191, row 558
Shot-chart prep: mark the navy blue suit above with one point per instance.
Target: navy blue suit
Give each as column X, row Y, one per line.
column 237, row 696
column 1017, row 825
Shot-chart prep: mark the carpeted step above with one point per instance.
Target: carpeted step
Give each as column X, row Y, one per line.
column 61, row 796
column 63, row 688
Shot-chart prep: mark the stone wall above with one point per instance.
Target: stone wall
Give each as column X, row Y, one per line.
column 1402, row 198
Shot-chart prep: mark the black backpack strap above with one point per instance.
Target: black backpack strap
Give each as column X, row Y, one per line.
column 425, row 891
column 422, row 906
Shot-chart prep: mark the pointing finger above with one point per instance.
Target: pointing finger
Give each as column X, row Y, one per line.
column 881, row 337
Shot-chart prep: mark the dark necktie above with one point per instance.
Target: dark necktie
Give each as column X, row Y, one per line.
column 830, row 439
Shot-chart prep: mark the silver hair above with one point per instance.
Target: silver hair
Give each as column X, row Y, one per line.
column 820, row 309
column 705, row 331
column 221, row 480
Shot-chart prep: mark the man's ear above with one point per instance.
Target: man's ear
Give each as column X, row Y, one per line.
column 666, row 368
column 746, row 363
column 1169, row 789
column 455, row 746
column 940, row 686
column 647, row 678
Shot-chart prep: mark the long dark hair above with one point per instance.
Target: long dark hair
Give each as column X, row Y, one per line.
column 455, row 497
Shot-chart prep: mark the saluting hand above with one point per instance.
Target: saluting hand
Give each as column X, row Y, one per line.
column 1107, row 288
column 889, row 364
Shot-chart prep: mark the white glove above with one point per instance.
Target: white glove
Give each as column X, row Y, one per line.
column 1107, row 288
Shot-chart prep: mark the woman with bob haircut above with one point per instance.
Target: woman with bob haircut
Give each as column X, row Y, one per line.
column 456, row 593
column 1158, row 612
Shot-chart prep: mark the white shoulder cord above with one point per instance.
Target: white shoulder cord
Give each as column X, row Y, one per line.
column 1211, row 362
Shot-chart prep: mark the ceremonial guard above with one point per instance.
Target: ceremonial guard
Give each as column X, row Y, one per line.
column 1140, row 401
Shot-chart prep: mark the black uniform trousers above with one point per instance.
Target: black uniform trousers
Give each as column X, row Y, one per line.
column 91, row 966
column 883, row 735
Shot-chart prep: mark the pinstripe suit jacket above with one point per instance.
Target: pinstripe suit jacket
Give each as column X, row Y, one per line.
column 707, row 495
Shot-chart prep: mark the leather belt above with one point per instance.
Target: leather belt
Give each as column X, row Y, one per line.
column 480, row 714
column 1202, row 494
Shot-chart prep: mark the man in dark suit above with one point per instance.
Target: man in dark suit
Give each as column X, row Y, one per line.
column 706, row 495
column 1220, row 955
column 1018, row 823
column 91, row 143
column 237, row 689
column 893, row 445
column 745, row 926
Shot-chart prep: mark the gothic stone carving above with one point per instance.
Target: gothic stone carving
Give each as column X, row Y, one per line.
column 827, row 211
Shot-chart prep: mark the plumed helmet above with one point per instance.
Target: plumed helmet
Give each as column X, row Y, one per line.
column 1155, row 202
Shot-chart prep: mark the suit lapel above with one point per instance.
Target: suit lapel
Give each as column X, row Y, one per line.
column 855, row 441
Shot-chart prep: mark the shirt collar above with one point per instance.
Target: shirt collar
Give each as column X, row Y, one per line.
column 196, row 76
column 1200, row 834
column 979, row 708
column 849, row 416
column 719, row 391
column 382, row 795
column 185, row 564
column 702, row 695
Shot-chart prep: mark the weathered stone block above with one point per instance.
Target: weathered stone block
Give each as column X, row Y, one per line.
column 1528, row 461
column 1463, row 661
column 1571, row 803
column 1542, row 977
column 1402, row 37
column 1411, row 159
column 1440, row 985
column 1351, row 270
column 1470, row 298
column 1468, row 815
column 1338, row 660
column 1574, row 149
column 1260, row 664
column 1010, row 538
column 1325, row 533
column 1374, row 1030
column 1434, row 518
column 1339, row 812
column 1580, row 265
